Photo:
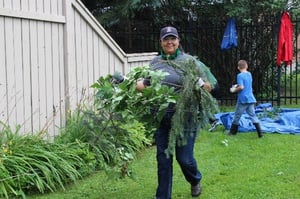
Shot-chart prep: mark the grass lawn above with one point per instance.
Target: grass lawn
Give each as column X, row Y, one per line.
column 241, row 166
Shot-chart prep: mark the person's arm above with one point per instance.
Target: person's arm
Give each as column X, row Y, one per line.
column 236, row 88
column 239, row 86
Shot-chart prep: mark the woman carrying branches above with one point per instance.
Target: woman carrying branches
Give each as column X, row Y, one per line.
column 176, row 133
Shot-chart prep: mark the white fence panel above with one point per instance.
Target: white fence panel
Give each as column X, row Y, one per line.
column 41, row 86
column 11, row 91
column 89, row 37
column 52, row 51
column 25, row 5
column 34, row 82
column 139, row 59
column 31, row 6
column 16, row 4
column 7, row 4
column 3, row 76
column 18, row 71
column 26, row 63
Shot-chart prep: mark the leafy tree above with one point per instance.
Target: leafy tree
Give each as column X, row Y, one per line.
column 135, row 25
column 112, row 12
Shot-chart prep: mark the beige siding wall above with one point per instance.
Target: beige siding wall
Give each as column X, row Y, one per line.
column 51, row 52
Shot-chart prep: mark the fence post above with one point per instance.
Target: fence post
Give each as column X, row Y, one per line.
column 278, row 85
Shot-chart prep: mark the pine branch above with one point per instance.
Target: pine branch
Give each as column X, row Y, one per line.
column 193, row 103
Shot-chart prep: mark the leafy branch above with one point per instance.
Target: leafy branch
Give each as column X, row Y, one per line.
column 123, row 101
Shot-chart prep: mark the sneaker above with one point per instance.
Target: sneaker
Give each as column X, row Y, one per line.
column 227, row 132
column 196, row 190
column 213, row 125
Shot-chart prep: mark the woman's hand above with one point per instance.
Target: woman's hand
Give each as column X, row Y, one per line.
column 207, row 86
column 140, row 85
column 204, row 84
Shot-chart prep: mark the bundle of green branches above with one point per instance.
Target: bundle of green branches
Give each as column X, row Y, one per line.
column 123, row 102
column 194, row 106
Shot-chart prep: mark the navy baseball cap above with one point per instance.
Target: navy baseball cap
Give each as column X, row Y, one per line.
column 168, row 31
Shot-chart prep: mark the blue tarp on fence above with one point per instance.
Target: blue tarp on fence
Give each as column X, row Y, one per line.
column 280, row 120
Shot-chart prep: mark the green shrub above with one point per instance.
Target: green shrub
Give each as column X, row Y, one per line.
column 30, row 163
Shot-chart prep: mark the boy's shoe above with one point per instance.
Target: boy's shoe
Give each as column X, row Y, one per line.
column 213, row 126
column 196, row 190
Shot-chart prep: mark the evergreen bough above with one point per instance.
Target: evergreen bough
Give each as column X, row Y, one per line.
column 194, row 105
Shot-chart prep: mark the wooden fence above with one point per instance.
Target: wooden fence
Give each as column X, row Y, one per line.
column 51, row 52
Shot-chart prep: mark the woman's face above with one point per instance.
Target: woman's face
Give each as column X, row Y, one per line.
column 169, row 44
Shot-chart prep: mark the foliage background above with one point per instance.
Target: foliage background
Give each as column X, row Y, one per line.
column 135, row 26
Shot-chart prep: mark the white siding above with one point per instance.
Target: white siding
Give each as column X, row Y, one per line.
column 51, row 52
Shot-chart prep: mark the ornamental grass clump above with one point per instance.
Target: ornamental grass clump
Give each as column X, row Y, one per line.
column 28, row 163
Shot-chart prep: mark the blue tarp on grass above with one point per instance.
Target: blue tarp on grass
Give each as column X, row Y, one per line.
column 280, row 120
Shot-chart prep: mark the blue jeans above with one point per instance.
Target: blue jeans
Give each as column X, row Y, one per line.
column 184, row 156
column 240, row 109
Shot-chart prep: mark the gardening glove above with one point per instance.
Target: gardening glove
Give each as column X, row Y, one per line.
column 200, row 82
column 117, row 78
column 233, row 88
